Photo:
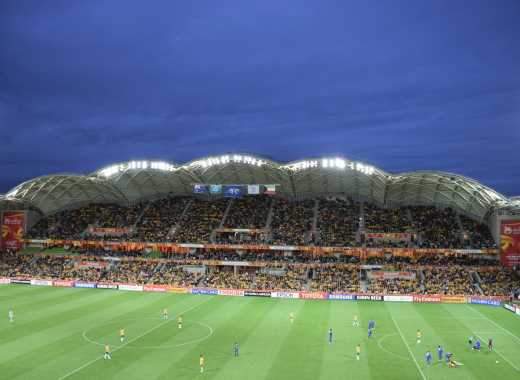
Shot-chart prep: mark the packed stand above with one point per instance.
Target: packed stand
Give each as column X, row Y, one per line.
column 386, row 220
column 338, row 222
column 495, row 281
column 335, row 279
column 248, row 212
column 292, row 222
column 438, row 228
column 448, row 281
column 476, row 235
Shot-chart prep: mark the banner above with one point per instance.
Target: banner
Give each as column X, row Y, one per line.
column 107, row 286
column 342, row 297
column 65, row 284
column 132, row 288
column 41, row 282
column 454, row 299
column 90, row 285
column 13, row 226
column 256, row 293
column 91, row 264
column 233, row 191
column 270, row 189
column 174, row 289
column 368, row 297
column 5, row 281
column 426, row 298
column 199, row 189
column 21, row 282
column 212, row 292
column 215, row 189
column 398, row 298
column 109, row 231
column 398, row 236
column 285, row 294
column 253, row 189
column 155, row 288
column 391, row 275
column 231, row 292
column 484, row 301
column 510, row 243
column 313, row 295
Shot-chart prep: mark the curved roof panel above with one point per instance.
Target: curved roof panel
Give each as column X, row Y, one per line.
column 131, row 181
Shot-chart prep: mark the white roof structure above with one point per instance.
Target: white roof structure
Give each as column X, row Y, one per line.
column 128, row 182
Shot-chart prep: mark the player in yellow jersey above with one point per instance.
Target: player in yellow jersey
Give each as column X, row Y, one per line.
column 355, row 320
column 201, row 363
column 108, row 353
column 122, row 335
column 358, row 351
column 291, row 317
column 419, row 336
column 179, row 321
column 165, row 313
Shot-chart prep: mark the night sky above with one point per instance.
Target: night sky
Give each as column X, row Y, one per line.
column 403, row 85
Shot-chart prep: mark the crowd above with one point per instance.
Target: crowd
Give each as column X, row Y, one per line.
column 450, row 280
column 495, row 281
column 338, row 222
column 334, row 278
column 194, row 220
column 394, row 286
column 292, row 222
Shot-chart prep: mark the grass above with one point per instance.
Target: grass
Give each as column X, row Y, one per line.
column 58, row 333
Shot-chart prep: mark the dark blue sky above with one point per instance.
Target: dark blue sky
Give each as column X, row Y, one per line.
column 403, row 85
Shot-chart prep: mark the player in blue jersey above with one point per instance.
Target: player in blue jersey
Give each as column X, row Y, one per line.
column 236, row 350
column 371, row 324
column 428, row 358
column 448, row 357
column 477, row 345
column 369, row 333
column 330, row 335
column 440, row 352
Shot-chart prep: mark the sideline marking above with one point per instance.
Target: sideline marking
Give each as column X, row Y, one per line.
column 408, row 347
column 128, row 342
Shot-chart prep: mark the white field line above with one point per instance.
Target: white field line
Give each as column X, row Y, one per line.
column 502, row 356
column 408, row 347
column 128, row 342
column 496, row 324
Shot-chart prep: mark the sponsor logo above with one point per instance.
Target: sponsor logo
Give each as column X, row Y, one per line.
column 509, row 307
column 313, row 295
column 106, row 286
column 41, row 282
column 173, row 289
column 369, row 297
column 285, row 294
column 342, row 297
column 424, row 298
column 155, row 288
column 204, row 291
column 4, row 281
column 61, row 283
column 398, row 298
column 484, row 301
column 23, row 282
column 453, row 299
column 256, row 293
column 85, row 285
column 132, row 288
column 231, row 292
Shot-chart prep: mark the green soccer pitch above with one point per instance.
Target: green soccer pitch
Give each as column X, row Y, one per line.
column 58, row 334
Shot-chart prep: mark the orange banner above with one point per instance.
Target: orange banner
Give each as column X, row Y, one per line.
column 510, row 242
column 13, row 226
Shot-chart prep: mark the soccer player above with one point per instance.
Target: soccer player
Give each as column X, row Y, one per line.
column 355, row 321
column 428, row 358
column 165, row 313
column 371, row 324
column 369, row 333
column 201, row 363
column 358, row 351
column 490, row 344
column 477, row 345
column 108, row 353
column 179, row 321
column 330, row 335
column 440, row 352
column 122, row 335
column 236, row 350
column 418, row 334
column 448, row 357
column 11, row 315
column 470, row 341
column 291, row 317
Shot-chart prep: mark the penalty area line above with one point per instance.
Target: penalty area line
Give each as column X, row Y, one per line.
column 408, row 347
column 74, row 371
column 502, row 356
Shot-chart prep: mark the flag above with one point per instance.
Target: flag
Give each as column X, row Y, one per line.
column 215, row 189
column 253, row 189
column 199, row 189
column 270, row 189
column 233, row 191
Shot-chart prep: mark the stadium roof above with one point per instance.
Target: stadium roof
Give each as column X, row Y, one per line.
column 128, row 182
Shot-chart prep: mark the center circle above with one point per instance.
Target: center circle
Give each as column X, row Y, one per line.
column 113, row 334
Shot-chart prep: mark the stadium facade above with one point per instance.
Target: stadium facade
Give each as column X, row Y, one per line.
column 129, row 182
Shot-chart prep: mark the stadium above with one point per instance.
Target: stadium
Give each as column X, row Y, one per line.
column 266, row 268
